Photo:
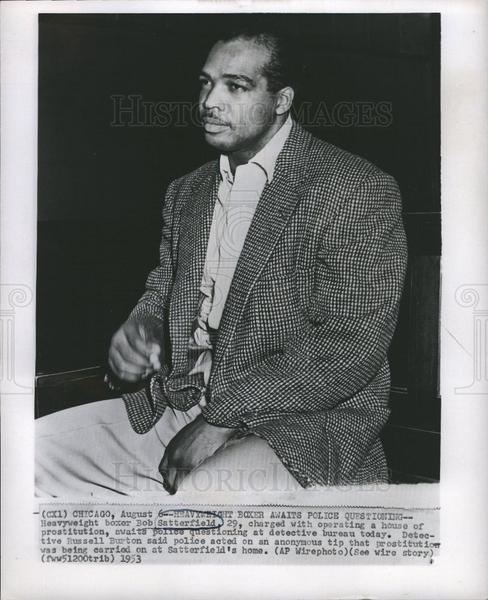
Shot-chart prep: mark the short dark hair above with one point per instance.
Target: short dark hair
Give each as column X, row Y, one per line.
column 278, row 70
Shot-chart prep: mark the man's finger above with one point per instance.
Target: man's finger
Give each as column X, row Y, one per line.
column 140, row 345
column 123, row 369
column 127, row 377
column 127, row 365
column 151, row 331
column 167, row 475
column 179, row 476
column 131, row 355
column 154, row 358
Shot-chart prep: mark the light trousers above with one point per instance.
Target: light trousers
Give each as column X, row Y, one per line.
column 92, row 450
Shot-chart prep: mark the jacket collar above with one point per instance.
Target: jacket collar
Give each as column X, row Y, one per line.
column 265, row 158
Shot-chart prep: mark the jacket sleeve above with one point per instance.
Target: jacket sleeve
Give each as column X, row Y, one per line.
column 155, row 300
column 359, row 275
column 146, row 405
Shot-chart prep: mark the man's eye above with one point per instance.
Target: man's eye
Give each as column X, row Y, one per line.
column 234, row 87
column 204, row 82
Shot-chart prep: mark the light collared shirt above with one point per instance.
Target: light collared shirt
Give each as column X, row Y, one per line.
column 237, row 198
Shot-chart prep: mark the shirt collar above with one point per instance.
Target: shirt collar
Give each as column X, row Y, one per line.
column 266, row 157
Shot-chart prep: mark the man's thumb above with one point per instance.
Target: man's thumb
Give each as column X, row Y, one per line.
column 152, row 346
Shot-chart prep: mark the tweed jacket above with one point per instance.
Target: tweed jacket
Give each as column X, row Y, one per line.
column 301, row 354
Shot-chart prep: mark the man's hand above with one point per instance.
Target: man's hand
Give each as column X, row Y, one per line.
column 189, row 448
column 135, row 349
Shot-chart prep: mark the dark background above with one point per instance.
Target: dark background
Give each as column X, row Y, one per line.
column 100, row 185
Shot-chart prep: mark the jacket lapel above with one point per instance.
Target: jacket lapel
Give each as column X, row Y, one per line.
column 274, row 209
column 196, row 221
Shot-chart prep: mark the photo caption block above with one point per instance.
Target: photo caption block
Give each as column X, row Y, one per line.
column 149, row 533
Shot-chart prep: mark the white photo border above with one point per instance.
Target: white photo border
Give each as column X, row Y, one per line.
column 460, row 570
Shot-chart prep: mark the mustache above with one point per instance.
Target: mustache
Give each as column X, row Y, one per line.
column 207, row 117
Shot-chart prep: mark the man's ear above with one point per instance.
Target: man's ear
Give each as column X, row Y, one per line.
column 284, row 100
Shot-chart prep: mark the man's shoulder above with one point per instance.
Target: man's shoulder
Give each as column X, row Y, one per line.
column 339, row 167
column 195, row 177
column 328, row 176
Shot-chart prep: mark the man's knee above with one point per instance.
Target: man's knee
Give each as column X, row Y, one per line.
column 247, row 464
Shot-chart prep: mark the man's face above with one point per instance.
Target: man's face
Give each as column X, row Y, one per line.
column 236, row 107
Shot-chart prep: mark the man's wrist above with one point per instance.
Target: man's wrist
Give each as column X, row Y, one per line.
column 224, row 433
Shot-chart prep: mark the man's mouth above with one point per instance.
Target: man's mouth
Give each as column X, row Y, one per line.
column 213, row 125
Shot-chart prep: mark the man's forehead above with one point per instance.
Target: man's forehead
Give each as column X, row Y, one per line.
column 240, row 57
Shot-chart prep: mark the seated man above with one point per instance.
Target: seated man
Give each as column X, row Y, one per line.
column 260, row 344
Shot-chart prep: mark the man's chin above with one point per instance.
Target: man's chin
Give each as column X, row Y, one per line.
column 218, row 141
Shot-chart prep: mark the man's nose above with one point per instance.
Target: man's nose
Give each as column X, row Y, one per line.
column 212, row 98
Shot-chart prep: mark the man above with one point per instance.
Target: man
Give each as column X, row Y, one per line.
column 261, row 341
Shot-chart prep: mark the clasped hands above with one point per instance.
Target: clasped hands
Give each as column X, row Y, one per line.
column 135, row 354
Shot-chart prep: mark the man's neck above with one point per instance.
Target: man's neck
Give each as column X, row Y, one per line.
column 242, row 157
